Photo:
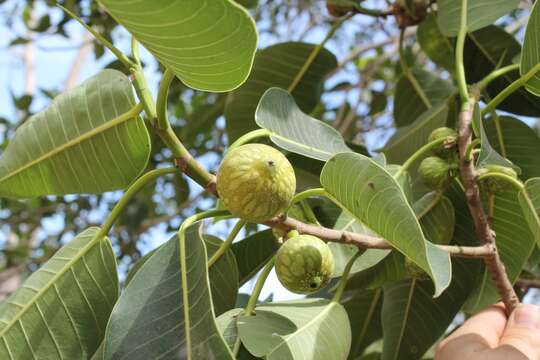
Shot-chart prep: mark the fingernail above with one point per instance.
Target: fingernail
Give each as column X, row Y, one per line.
column 528, row 316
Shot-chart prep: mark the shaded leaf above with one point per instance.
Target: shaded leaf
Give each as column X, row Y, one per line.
column 530, row 56
column 278, row 113
column 62, row 309
column 81, row 143
column 515, row 134
column 514, row 242
column 490, row 48
column 167, row 310
column 226, row 324
column 529, row 199
column 409, row 102
column 384, row 208
column 480, row 13
column 322, row 331
column 208, row 45
column 277, row 66
column 253, row 252
column 409, row 138
column 364, row 311
column 436, row 46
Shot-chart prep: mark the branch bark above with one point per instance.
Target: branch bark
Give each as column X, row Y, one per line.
column 482, row 228
column 368, row 242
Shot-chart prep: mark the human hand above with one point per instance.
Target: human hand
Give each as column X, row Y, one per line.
column 489, row 335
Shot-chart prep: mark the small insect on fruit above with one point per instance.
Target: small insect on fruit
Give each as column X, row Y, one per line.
column 256, row 182
column 304, row 264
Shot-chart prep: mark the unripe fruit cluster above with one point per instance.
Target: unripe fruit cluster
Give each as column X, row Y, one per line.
column 437, row 172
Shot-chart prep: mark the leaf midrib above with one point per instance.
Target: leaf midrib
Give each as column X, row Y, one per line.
column 52, row 282
column 130, row 114
column 404, row 323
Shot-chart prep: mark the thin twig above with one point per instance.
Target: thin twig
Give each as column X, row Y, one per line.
column 366, row 241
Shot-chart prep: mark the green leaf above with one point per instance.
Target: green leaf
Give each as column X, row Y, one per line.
column 529, row 199
column 343, row 253
column 277, row 66
column 480, row 13
column 413, row 90
column 62, row 309
column 374, row 197
column 409, row 138
column 82, row 143
column 488, row 155
column 227, row 325
column 322, row 331
column 491, row 48
column 514, row 242
column 439, row 221
column 278, row 113
column 437, row 47
column 364, row 311
column 253, row 252
column 515, row 134
column 413, row 321
column 223, row 276
column 530, row 56
column 208, row 45
column 167, row 311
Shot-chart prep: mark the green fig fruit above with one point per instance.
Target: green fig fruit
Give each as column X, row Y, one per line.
column 437, row 173
column 304, row 264
column 256, row 182
column 448, row 148
column 492, row 184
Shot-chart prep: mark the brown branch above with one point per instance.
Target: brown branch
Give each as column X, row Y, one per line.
column 366, row 241
column 482, row 228
column 528, row 283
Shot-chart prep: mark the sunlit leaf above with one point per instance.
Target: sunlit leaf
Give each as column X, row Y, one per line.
column 530, row 56
column 81, row 143
column 209, row 45
column 62, row 309
column 373, row 196
column 278, row 113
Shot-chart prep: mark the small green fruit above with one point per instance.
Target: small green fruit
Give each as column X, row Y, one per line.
column 304, row 264
column 256, row 182
column 415, row 271
column 437, row 173
column 493, row 184
column 448, row 148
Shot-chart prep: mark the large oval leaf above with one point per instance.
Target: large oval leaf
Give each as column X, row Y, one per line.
column 515, row 243
column 166, row 310
column 373, row 196
column 209, row 45
column 417, row 91
column 82, row 143
column 437, row 47
column 278, row 66
column 62, row 309
column 514, row 134
column 278, row 113
column 314, row 329
column 529, row 199
column 490, row 48
column 480, row 13
column 253, row 252
column 408, row 139
column 530, row 57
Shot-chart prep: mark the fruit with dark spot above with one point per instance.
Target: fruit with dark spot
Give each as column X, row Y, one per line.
column 304, row 264
column 256, row 182
column 495, row 184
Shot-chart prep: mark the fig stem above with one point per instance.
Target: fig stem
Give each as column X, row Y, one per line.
column 417, row 155
column 227, row 243
column 515, row 183
column 128, row 195
column 249, row 137
column 345, row 277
